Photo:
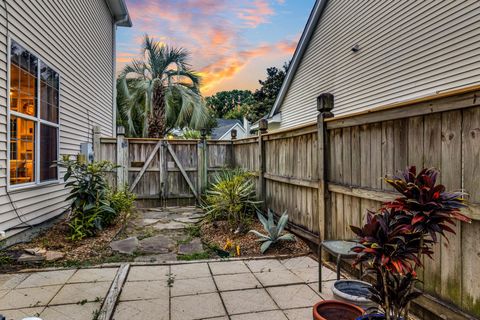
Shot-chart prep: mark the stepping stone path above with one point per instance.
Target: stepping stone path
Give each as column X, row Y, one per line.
column 157, row 235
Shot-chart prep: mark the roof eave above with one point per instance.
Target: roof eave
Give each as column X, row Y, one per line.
column 313, row 19
column 119, row 11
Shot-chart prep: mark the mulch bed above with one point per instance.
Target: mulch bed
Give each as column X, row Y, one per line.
column 86, row 251
column 217, row 233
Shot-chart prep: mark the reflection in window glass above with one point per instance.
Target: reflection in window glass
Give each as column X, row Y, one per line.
column 48, row 94
column 23, row 81
column 22, row 150
column 48, row 154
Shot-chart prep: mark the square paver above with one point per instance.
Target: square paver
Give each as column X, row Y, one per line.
column 277, row 315
column 93, row 275
column 190, row 271
column 141, row 290
column 10, row 281
column 198, row 306
column 326, row 293
column 228, row 267
column 248, row 301
column 265, row 265
column 299, row 263
column 276, row 278
column 240, row 281
column 81, row 292
column 299, row 314
column 143, row 309
column 28, row 297
column 21, row 313
column 148, row 273
column 184, row 287
column 49, row 278
column 296, row 296
column 71, row 311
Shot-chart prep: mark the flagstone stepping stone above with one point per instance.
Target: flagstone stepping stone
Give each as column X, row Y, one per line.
column 155, row 215
column 147, row 222
column 157, row 244
column 194, row 246
column 126, row 246
column 157, row 258
column 54, row 255
column 26, row 257
column 173, row 225
column 189, row 220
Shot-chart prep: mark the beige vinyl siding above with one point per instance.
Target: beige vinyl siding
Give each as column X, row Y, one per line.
column 408, row 49
column 75, row 38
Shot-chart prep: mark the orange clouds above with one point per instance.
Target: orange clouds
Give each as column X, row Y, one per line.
column 214, row 31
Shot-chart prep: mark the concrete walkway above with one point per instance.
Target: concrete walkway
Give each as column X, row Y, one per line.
column 221, row 290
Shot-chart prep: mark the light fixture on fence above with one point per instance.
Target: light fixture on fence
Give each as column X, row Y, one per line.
column 325, row 102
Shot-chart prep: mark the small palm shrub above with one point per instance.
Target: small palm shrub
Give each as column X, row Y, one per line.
column 273, row 232
column 90, row 207
column 232, row 197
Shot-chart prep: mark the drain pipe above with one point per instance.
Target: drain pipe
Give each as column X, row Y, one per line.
column 122, row 19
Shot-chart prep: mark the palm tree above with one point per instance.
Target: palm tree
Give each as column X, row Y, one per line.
column 160, row 92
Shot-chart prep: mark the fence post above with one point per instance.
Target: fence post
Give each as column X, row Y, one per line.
column 202, row 169
column 122, row 158
column 262, row 185
column 233, row 136
column 97, row 134
column 324, row 107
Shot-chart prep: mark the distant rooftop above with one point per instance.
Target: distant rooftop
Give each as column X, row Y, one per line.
column 223, row 126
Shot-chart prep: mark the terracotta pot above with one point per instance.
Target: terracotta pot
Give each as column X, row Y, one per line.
column 336, row 310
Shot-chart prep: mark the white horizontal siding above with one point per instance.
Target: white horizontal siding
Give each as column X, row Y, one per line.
column 408, row 49
column 75, row 38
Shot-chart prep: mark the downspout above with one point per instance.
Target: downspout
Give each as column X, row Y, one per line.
column 124, row 18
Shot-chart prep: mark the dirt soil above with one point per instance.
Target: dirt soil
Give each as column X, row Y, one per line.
column 216, row 235
column 84, row 252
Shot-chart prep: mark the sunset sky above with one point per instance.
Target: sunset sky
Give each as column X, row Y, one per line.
column 232, row 42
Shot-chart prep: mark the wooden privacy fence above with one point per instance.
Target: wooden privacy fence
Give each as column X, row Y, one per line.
column 327, row 174
column 354, row 154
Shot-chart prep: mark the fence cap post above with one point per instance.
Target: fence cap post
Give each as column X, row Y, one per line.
column 97, row 129
column 120, row 131
column 203, row 133
column 263, row 126
column 325, row 104
column 233, row 134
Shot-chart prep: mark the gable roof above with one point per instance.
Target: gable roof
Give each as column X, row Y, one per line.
column 224, row 126
column 119, row 11
column 307, row 33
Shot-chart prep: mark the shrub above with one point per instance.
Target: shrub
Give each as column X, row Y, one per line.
column 231, row 197
column 394, row 239
column 90, row 208
column 273, row 232
column 122, row 201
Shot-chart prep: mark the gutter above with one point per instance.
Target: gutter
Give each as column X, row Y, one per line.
column 123, row 19
column 312, row 22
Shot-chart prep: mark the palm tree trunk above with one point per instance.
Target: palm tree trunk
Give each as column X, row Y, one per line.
column 157, row 119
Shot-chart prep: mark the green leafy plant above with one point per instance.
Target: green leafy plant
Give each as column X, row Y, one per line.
column 191, row 134
column 90, row 208
column 231, row 197
column 122, row 202
column 274, row 232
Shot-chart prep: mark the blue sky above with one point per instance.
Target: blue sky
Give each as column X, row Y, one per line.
column 231, row 42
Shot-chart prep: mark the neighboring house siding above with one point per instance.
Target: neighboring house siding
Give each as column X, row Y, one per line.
column 75, row 38
column 408, row 49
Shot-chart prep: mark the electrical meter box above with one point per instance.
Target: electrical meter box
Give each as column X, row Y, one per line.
column 86, row 150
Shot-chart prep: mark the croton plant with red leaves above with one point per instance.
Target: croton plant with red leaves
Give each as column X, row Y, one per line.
column 394, row 238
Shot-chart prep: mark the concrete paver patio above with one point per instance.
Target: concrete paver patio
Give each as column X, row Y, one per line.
column 235, row 290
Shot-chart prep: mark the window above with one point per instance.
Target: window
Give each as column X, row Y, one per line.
column 34, row 118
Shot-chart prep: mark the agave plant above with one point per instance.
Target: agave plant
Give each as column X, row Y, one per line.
column 274, row 232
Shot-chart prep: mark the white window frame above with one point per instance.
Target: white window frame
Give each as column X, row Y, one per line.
column 37, row 121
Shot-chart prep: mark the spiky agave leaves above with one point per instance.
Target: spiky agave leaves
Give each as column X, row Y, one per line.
column 431, row 209
column 274, row 232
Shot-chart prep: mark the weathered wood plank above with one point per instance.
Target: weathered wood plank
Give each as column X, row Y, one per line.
column 184, row 173
column 145, row 166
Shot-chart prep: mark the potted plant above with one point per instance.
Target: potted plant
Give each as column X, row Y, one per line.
column 394, row 239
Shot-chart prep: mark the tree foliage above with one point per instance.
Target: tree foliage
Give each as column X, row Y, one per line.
column 225, row 102
column 159, row 92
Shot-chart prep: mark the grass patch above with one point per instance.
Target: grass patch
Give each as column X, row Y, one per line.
column 194, row 256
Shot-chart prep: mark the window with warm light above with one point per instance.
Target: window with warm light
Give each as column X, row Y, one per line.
column 34, row 118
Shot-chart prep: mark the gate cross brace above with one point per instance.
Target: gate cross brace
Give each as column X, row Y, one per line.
column 182, row 170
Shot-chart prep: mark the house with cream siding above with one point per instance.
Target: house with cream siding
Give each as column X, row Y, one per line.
column 371, row 54
column 57, row 81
